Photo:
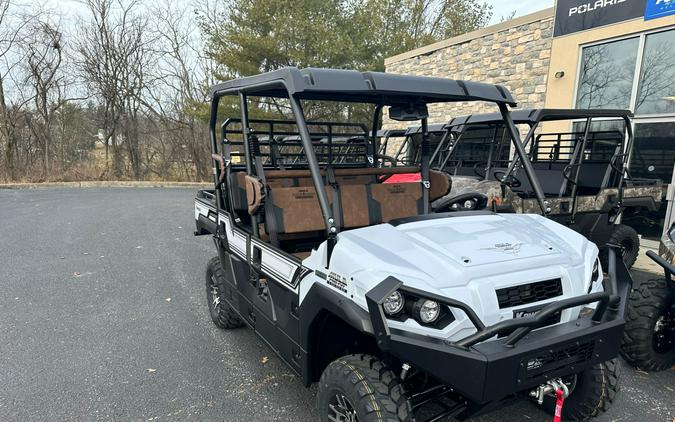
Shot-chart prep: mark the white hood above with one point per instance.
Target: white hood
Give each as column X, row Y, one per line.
column 449, row 252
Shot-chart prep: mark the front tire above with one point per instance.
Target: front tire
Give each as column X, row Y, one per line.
column 361, row 388
column 650, row 327
column 592, row 392
column 221, row 313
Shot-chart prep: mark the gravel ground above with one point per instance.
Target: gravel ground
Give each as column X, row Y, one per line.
column 103, row 317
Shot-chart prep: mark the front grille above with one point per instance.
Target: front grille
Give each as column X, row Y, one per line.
column 553, row 360
column 529, row 293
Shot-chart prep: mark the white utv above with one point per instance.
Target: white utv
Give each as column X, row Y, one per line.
column 357, row 286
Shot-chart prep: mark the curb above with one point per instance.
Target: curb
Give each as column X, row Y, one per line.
column 105, row 184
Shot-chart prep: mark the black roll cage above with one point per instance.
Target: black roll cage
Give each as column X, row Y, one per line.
column 533, row 118
column 272, row 132
column 343, row 86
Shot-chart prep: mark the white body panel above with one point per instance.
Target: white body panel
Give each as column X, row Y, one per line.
column 466, row 258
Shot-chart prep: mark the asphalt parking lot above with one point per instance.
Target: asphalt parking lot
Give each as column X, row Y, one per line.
column 103, row 317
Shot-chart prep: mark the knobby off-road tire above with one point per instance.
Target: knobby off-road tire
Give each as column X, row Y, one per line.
column 628, row 239
column 362, row 387
column 593, row 392
column 221, row 313
column 650, row 303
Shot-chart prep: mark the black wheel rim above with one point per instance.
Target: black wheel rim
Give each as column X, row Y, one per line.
column 664, row 332
column 213, row 294
column 340, row 409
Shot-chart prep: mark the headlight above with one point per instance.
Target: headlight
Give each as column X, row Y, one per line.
column 469, row 204
column 394, row 303
column 427, row 310
column 402, row 305
column 671, row 234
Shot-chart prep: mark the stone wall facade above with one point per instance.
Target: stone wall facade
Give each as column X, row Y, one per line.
column 514, row 54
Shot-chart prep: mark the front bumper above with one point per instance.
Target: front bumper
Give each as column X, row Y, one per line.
column 487, row 371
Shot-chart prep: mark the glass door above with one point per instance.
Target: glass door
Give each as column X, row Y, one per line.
column 637, row 72
column 653, row 151
column 652, row 158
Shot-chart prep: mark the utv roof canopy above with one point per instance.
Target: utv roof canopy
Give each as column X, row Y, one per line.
column 363, row 87
column 536, row 115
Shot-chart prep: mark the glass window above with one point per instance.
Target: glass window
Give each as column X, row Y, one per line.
column 656, row 94
column 607, row 73
column 653, row 151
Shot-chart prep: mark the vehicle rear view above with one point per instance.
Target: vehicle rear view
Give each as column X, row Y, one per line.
column 357, row 285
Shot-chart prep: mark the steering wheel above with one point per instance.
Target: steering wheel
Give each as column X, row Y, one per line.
column 480, row 164
column 512, row 180
column 391, row 160
column 469, row 201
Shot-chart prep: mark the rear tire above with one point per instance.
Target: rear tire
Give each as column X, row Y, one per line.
column 593, row 392
column 649, row 334
column 221, row 313
column 361, row 387
column 628, row 239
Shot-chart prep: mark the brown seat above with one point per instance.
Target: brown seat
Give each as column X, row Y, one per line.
column 296, row 210
column 440, row 185
column 395, row 200
column 292, row 201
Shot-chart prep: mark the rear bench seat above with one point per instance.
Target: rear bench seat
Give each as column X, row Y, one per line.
column 363, row 200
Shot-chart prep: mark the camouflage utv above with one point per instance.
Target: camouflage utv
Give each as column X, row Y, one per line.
column 648, row 341
column 576, row 177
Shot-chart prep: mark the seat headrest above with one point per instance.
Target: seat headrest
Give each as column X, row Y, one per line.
column 254, row 193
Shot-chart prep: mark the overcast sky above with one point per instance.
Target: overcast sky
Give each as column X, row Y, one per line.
column 522, row 7
column 501, row 8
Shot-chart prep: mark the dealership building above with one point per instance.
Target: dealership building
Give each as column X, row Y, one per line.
column 579, row 54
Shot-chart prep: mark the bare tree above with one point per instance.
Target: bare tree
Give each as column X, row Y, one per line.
column 656, row 78
column 179, row 86
column 113, row 57
column 43, row 60
column 12, row 33
column 605, row 81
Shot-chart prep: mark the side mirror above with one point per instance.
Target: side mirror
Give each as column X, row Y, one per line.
column 408, row 113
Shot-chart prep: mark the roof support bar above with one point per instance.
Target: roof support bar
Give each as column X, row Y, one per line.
column 245, row 132
column 426, row 184
column 528, row 138
column 373, row 133
column 214, row 148
column 527, row 164
column 331, row 228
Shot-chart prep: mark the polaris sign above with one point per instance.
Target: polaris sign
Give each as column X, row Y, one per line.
column 590, row 7
column 579, row 15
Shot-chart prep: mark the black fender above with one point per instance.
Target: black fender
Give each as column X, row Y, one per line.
column 321, row 300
